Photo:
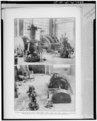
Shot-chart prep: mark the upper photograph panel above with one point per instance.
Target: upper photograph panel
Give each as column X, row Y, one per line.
column 40, row 40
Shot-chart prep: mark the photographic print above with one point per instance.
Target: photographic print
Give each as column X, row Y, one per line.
column 44, row 40
column 44, row 58
column 44, row 88
column 47, row 64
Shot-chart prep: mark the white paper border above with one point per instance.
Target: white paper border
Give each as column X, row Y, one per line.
column 36, row 12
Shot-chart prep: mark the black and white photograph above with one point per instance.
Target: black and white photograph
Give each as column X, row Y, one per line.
column 39, row 40
column 44, row 59
column 44, row 88
column 48, row 53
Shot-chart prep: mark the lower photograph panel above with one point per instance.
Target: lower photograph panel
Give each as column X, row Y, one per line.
column 45, row 88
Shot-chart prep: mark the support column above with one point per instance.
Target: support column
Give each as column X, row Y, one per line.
column 51, row 27
column 20, row 27
column 17, row 27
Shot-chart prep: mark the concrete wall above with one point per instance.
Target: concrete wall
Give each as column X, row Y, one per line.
column 66, row 26
column 27, row 23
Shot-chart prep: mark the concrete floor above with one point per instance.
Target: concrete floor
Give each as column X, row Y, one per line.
column 50, row 59
column 56, row 59
column 40, row 83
